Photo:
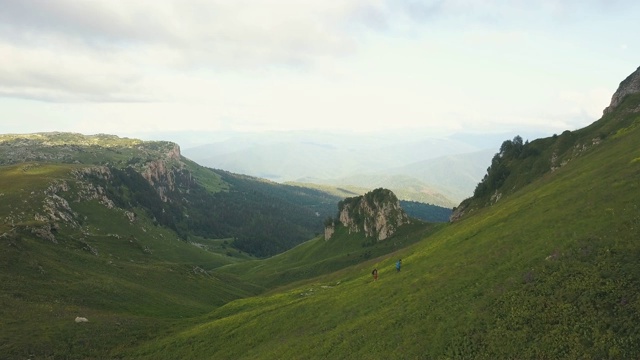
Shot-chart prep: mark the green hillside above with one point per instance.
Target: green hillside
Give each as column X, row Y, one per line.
column 549, row 270
column 543, row 261
column 126, row 233
column 127, row 278
column 256, row 217
column 320, row 257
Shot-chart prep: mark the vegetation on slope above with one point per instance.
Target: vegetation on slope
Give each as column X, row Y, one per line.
column 318, row 256
column 549, row 271
column 518, row 164
column 255, row 216
column 128, row 278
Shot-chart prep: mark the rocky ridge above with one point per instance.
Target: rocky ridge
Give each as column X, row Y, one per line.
column 377, row 213
column 628, row 86
column 158, row 162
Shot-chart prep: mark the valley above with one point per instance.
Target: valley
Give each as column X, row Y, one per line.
column 168, row 259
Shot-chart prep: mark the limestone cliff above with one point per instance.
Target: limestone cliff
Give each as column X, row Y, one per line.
column 164, row 172
column 377, row 213
column 630, row 85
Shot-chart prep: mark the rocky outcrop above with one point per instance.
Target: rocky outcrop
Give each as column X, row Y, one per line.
column 378, row 214
column 630, row 85
column 174, row 153
column 161, row 174
column 458, row 212
column 329, row 230
column 87, row 190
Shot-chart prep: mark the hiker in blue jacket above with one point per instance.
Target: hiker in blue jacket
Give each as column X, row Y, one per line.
column 398, row 265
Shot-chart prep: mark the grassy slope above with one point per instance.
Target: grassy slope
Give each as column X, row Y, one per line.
column 319, row 256
column 551, row 271
column 134, row 281
column 142, row 278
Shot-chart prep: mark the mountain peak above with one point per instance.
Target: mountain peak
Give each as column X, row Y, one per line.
column 630, row 85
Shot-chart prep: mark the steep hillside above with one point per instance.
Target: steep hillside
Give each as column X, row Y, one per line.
column 366, row 226
column 106, row 244
column 518, row 164
column 321, row 256
column 264, row 218
column 550, row 270
column 125, row 233
column 67, row 251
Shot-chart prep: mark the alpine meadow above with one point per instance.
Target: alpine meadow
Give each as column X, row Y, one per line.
column 118, row 248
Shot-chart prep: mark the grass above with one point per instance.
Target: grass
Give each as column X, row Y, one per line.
column 551, row 271
column 132, row 280
column 319, row 256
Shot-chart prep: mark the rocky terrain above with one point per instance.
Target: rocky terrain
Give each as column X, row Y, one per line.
column 377, row 213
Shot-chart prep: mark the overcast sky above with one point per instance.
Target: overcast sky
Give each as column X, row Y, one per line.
column 133, row 66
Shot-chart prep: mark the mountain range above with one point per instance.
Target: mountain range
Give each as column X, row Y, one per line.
column 417, row 167
column 125, row 249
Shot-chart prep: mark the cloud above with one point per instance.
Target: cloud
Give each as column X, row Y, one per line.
column 65, row 74
column 63, row 50
column 216, row 32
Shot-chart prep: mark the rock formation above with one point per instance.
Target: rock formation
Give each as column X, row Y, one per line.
column 630, row 85
column 377, row 213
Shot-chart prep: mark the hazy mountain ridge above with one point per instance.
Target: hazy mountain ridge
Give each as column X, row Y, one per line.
column 408, row 165
column 455, row 175
column 543, row 263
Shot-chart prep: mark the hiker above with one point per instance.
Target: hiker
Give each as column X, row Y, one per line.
column 375, row 274
column 398, row 265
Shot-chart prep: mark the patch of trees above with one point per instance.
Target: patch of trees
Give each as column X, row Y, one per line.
column 500, row 168
column 264, row 218
column 426, row 212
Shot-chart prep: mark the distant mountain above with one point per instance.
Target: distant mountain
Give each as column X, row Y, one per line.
column 417, row 169
column 103, row 255
column 455, row 176
column 293, row 156
column 443, row 181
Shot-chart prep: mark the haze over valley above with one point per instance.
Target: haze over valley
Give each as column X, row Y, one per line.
column 319, row 180
column 437, row 171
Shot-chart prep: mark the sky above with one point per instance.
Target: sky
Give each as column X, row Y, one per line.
column 136, row 67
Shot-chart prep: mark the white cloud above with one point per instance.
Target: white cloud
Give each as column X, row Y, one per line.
column 212, row 64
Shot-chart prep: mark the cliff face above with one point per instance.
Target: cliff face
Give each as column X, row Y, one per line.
column 165, row 173
column 630, row 85
column 378, row 214
column 159, row 162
